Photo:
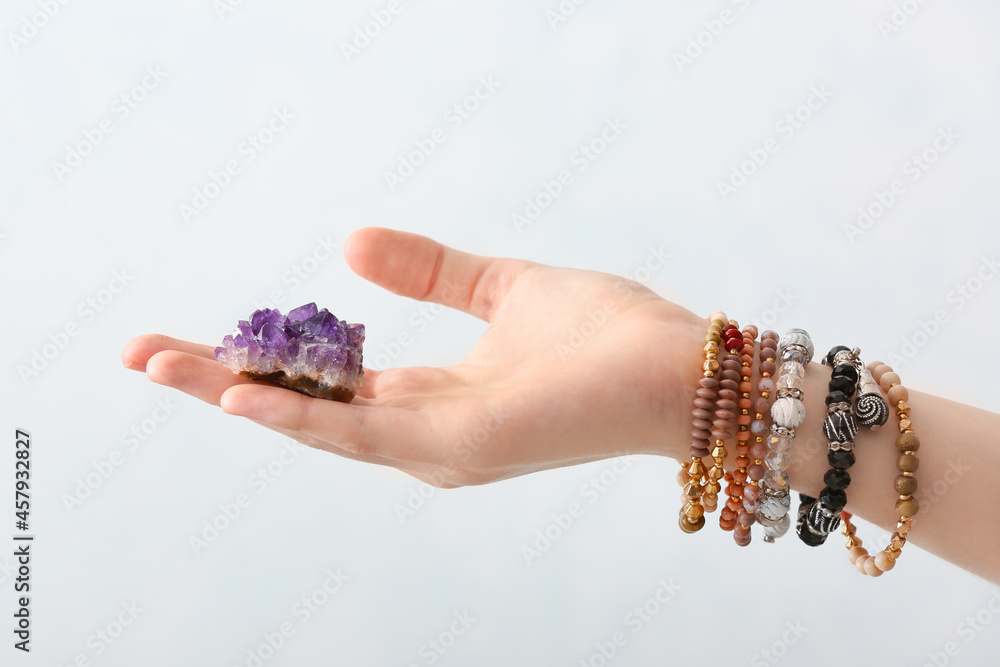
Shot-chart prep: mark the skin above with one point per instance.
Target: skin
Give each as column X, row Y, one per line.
column 609, row 368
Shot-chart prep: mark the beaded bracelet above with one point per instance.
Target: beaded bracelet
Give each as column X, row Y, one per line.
column 787, row 413
column 817, row 518
column 692, row 514
column 734, row 515
column 905, row 483
column 753, row 491
column 725, row 413
column 820, row 517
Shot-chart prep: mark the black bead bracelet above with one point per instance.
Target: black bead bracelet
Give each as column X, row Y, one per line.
column 818, row 517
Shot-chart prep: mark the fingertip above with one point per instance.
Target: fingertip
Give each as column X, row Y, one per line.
column 158, row 367
column 358, row 249
column 137, row 351
column 234, row 400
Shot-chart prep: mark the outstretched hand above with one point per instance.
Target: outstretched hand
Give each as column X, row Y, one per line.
column 576, row 366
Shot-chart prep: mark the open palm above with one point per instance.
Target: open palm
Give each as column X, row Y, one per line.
column 575, row 366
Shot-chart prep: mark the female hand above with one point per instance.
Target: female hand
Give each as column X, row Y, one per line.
column 576, row 366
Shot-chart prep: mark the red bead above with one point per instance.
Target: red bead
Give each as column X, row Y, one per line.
column 733, row 345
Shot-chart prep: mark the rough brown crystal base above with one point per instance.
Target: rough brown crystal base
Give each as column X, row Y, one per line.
column 303, row 385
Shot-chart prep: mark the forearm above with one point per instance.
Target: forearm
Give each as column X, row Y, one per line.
column 957, row 460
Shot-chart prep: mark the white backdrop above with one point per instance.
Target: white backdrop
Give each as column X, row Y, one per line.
column 169, row 165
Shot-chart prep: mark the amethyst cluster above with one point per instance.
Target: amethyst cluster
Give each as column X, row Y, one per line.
column 309, row 350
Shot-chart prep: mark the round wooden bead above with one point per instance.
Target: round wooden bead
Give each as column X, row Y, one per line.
column 897, row 394
column 879, row 371
column 857, row 552
column 907, row 508
column 905, row 486
column 871, row 569
column 888, row 379
column 907, row 463
column 907, row 442
column 860, row 563
column 884, row 562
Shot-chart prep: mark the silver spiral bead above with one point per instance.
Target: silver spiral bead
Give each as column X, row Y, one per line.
column 871, row 408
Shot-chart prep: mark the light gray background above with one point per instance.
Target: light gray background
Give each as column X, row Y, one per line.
column 781, row 237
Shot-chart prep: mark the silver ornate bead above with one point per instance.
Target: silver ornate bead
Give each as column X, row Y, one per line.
column 840, row 426
column 872, row 409
column 821, row 520
column 798, row 338
column 772, row 508
column 788, row 412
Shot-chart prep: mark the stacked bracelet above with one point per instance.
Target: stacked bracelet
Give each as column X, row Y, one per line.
column 787, row 413
column 753, row 491
column 757, row 486
column 905, row 484
column 692, row 515
column 725, row 413
column 734, row 515
column 820, row 517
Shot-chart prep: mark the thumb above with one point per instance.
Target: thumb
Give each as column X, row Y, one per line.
column 421, row 268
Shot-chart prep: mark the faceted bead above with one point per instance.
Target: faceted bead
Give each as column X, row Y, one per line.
column 792, row 369
column 837, row 479
column 841, row 383
column 778, row 460
column 779, row 442
column 847, row 370
column 794, row 354
column 842, row 459
column 837, row 397
column 790, row 382
column 833, row 499
column 776, row 480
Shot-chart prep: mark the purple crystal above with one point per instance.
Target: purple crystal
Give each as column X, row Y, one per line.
column 310, row 351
